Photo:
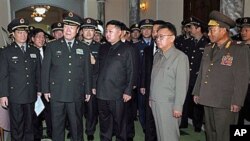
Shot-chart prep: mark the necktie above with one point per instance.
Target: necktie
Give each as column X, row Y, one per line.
column 69, row 45
column 22, row 48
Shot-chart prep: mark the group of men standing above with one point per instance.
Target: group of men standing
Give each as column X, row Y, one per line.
column 164, row 75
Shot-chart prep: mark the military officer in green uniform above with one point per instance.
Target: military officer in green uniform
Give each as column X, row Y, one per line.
column 91, row 112
column 66, row 79
column 222, row 82
column 20, row 81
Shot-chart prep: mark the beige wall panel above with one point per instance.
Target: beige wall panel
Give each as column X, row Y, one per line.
column 91, row 9
column 5, row 17
column 247, row 8
column 150, row 12
column 117, row 10
column 171, row 11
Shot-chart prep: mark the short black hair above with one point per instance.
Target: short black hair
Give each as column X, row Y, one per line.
column 159, row 22
column 115, row 23
column 169, row 26
column 36, row 31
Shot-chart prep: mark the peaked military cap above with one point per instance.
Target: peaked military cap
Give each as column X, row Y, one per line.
column 57, row 26
column 245, row 21
column 238, row 21
column 72, row 19
column 134, row 27
column 18, row 23
column 89, row 23
column 146, row 23
column 195, row 21
column 219, row 19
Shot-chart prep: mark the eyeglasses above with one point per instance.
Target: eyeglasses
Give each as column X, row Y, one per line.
column 161, row 37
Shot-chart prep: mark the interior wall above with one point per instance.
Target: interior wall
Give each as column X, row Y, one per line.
column 150, row 12
column 117, row 10
column 247, row 8
column 90, row 9
column 5, row 17
column 171, row 11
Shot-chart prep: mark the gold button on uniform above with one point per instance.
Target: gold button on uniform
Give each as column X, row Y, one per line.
column 27, row 83
column 69, row 80
column 27, row 75
column 53, row 83
column 25, row 61
column 69, row 56
column 26, row 68
column 69, row 64
column 69, row 71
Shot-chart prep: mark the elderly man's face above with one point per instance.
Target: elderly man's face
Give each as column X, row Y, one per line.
column 164, row 39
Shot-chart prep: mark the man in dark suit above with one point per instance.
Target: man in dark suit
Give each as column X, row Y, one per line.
column 245, row 35
column 66, row 79
column 222, row 81
column 90, row 111
column 38, row 40
column 20, row 81
column 114, row 83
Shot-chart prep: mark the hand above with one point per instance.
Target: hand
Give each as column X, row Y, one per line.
column 94, row 91
column 87, row 97
column 4, row 102
column 143, row 91
column 150, row 103
column 235, row 108
column 126, row 97
column 92, row 59
column 177, row 114
column 47, row 96
column 196, row 99
column 39, row 94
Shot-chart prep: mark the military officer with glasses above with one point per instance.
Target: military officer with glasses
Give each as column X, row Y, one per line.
column 66, row 79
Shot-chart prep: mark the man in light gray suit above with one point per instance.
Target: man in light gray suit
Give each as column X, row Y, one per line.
column 169, row 83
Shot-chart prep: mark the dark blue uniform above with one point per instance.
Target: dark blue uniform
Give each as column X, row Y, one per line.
column 20, row 82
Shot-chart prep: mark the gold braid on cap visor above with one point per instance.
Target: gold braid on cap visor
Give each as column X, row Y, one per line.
column 213, row 23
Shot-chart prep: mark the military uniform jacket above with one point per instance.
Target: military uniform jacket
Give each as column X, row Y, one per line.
column 169, row 78
column 20, row 74
column 223, row 76
column 116, row 72
column 194, row 54
column 66, row 75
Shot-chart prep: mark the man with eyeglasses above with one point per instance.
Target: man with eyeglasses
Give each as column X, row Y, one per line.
column 221, row 85
column 169, row 84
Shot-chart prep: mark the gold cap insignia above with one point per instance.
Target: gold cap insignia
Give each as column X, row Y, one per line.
column 146, row 21
column 213, row 23
column 136, row 25
column 59, row 24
